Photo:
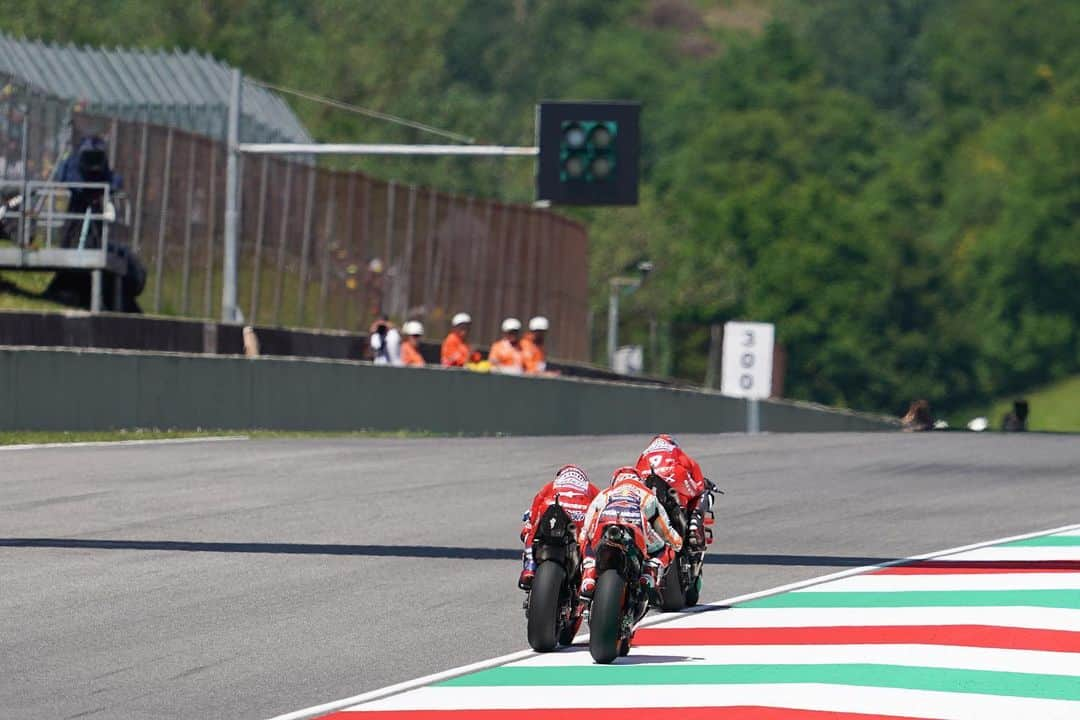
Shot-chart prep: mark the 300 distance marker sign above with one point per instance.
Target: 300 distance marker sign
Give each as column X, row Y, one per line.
column 748, row 360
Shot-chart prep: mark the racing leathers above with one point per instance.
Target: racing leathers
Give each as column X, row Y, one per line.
column 629, row 503
column 681, row 472
column 574, row 492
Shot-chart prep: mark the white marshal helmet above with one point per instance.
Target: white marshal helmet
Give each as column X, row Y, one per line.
column 511, row 325
column 461, row 319
column 412, row 327
column 538, row 323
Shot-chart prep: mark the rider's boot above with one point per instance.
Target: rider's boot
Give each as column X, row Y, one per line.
column 528, row 572
column 650, row 578
column 588, row 580
column 695, row 536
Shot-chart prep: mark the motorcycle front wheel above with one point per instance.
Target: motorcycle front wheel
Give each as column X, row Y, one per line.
column 672, row 598
column 608, row 606
column 693, row 593
column 543, row 625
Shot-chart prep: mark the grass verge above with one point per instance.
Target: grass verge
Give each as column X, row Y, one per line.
column 21, row 290
column 1054, row 408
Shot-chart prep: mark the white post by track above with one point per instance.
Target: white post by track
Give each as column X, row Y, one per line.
column 229, row 312
column 747, row 366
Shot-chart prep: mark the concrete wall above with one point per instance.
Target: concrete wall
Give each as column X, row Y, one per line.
column 74, row 389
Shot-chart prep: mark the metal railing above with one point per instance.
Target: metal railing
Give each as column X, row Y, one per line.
column 83, row 241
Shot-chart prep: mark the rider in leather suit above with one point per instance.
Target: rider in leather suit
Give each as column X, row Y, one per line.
column 574, row 491
column 629, row 502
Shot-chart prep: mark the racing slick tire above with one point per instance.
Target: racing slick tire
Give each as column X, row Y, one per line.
column 569, row 632
column 608, row 605
column 693, row 593
column 543, row 624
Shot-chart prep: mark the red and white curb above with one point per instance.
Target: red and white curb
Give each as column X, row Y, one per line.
column 990, row 630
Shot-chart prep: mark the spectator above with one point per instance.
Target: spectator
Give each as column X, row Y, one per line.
column 251, row 342
column 918, row 418
column 505, row 354
column 410, row 348
column 1016, row 421
column 533, row 357
column 455, row 348
column 385, row 342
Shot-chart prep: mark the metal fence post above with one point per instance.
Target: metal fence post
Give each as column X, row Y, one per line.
column 349, row 305
column 407, row 258
column 498, row 273
column 232, row 204
column 24, row 158
column 477, row 274
column 159, row 261
column 305, row 244
column 141, row 188
column 186, row 271
column 390, row 279
column 260, row 229
column 211, row 233
column 283, row 239
column 429, row 260
column 328, row 239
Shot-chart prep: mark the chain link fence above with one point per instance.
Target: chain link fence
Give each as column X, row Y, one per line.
column 318, row 248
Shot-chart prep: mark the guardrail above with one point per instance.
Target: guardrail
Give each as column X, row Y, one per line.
column 65, row 389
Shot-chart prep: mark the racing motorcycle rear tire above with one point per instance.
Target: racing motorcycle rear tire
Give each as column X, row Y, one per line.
column 543, row 625
column 605, row 620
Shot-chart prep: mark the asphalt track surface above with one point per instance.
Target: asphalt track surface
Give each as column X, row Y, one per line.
column 252, row 578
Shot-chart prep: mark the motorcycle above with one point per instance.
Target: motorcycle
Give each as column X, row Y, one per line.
column 620, row 601
column 681, row 585
column 551, row 607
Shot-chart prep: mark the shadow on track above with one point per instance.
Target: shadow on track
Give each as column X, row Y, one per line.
column 795, row 560
column 418, row 551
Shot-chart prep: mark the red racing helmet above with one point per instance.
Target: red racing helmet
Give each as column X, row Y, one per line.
column 572, row 473
column 625, row 474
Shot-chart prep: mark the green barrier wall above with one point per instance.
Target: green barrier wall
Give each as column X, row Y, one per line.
column 66, row 389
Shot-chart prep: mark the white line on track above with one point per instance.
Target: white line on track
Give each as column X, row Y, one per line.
column 122, row 443
column 652, row 620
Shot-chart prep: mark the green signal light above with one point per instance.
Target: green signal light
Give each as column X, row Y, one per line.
column 587, row 150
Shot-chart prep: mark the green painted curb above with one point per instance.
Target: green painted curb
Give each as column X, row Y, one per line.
column 922, row 598
column 1046, row 541
column 1029, row 685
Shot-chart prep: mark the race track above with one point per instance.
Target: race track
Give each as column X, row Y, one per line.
column 252, row 578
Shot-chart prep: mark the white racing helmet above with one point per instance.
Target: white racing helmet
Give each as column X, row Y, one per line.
column 461, row 319
column 538, row 323
column 511, row 325
column 412, row 327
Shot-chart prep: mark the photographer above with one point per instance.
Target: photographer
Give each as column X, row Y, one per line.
column 385, row 342
column 90, row 164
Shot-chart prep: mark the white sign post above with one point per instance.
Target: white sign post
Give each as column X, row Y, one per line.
column 747, row 366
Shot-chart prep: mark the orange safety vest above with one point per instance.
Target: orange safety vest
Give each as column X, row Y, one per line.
column 532, row 356
column 455, row 351
column 411, row 356
column 504, row 357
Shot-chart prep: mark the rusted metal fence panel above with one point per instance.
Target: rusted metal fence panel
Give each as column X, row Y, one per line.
column 321, row 248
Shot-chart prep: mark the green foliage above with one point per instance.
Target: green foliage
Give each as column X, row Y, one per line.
column 895, row 183
column 1054, row 408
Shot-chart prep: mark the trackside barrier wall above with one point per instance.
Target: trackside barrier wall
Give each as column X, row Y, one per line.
column 65, row 389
